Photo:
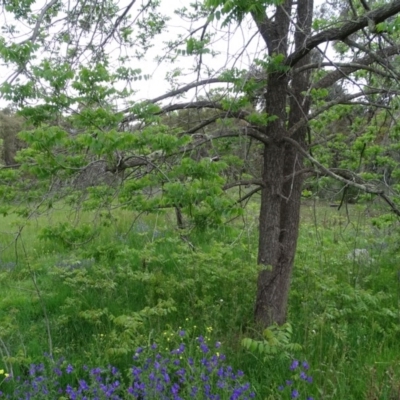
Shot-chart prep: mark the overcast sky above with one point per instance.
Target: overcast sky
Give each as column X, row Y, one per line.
column 235, row 47
column 229, row 45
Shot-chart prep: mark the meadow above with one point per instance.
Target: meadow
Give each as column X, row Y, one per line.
column 108, row 305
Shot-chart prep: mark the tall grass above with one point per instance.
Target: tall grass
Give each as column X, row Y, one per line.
column 94, row 287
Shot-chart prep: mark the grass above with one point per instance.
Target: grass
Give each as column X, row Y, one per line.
column 102, row 289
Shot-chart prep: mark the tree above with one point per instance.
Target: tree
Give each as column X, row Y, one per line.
column 275, row 103
column 10, row 125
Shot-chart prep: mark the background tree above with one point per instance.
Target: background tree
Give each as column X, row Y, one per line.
column 10, row 125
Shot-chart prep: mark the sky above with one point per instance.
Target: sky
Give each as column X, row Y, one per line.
column 228, row 44
column 234, row 45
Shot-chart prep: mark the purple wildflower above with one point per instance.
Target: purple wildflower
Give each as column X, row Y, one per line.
column 69, row 369
column 294, row 365
column 295, row 394
column 83, row 385
column 204, row 348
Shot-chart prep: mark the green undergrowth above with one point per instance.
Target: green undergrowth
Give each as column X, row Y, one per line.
column 92, row 288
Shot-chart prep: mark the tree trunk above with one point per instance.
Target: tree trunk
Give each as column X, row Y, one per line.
column 269, row 294
column 281, row 195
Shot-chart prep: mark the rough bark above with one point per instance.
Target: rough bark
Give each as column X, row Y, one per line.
column 280, row 199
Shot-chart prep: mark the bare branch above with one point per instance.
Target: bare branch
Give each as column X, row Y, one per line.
column 367, row 104
column 391, row 203
column 345, row 30
column 179, row 106
column 39, row 21
column 341, row 100
column 345, row 68
column 187, row 87
column 204, row 124
column 250, row 194
column 374, row 55
column 365, row 5
column 248, row 182
column 264, row 26
column 118, row 22
column 345, row 176
column 182, row 90
column 197, row 105
column 297, row 173
column 364, row 187
column 363, row 63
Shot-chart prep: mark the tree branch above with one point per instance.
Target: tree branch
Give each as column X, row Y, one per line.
column 139, row 160
column 328, row 172
column 258, row 182
column 118, row 22
column 344, row 70
column 374, row 55
column 345, row 30
column 345, row 176
column 250, row 194
column 181, row 90
column 191, row 105
column 39, row 21
column 264, row 25
column 341, row 100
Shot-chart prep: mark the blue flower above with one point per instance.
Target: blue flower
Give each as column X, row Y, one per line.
column 295, row 394
column 166, row 377
column 294, row 365
column 204, row 348
column 69, row 369
column 95, row 371
column 175, row 388
column 194, row 391
column 113, row 370
column 83, row 385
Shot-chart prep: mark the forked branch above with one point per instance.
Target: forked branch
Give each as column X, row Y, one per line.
column 348, row 178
